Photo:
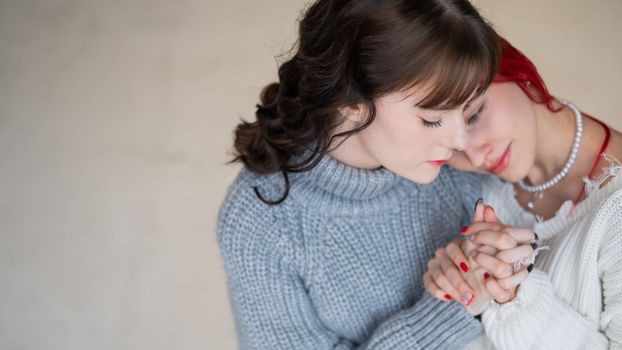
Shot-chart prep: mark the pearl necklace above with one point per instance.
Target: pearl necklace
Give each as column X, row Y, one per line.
column 537, row 190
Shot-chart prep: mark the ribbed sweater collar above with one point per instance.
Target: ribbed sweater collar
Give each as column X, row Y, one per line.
column 345, row 181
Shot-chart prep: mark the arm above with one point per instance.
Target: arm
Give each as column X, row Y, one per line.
column 539, row 319
column 273, row 309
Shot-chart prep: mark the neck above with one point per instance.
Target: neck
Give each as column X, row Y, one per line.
column 554, row 138
column 351, row 151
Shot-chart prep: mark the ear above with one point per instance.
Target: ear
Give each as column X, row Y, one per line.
column 355, row 113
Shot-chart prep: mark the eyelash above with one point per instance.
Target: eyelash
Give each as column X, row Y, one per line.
column 429, row 124
column 437, row 124
column 475, row 116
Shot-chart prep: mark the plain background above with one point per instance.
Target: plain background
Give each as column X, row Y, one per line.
column 115, row 122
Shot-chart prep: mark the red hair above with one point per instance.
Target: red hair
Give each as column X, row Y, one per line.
column 516, row 67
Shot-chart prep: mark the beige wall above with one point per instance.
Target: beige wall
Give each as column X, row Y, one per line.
column 115, row 120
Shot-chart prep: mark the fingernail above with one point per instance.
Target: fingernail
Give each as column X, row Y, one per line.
column 464, row 229
column 471, row 237
column 447, row 296
column 468, row 298
column 464, row 267
column 534, row 245
column 478, row 201
column 536, row 236
column 530, row 267
column 486, row 275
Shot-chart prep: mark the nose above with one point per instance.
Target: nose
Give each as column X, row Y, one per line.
column 457, row 139
column 474, row 144
column 477, row 153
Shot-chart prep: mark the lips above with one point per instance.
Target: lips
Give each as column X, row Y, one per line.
column 502, row 162
column 437, row 162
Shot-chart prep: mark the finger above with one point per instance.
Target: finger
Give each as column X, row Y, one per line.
column 496, row 239
column 480, row 226
column 434, row 289
column 520, row 234
column 510, row 283
column 457, row 256
column 445, row 284
column 484, row 249
column 490, row 215
column 478, row 216
column 496, row 267
column 510, row 256
column 454, row 277
column 499, row 294
column 441, row 281
column 468, row 248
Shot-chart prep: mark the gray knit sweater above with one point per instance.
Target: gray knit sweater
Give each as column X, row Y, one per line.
column 339, row 264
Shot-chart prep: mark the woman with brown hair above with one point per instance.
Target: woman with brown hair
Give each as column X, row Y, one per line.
column 326, row 232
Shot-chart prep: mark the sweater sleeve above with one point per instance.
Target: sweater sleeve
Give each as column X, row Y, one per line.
column 537, row 319
column 273, row 309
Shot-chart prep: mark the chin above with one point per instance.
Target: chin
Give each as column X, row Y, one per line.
column 511, row 174
column 518, row 169
column 423, row 178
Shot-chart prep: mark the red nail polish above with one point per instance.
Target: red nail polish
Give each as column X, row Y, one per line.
column 447, row 296
column 464, row 267
column 464, row 229
column 486, row 275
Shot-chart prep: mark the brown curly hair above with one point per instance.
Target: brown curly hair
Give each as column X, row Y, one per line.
column 352, row 52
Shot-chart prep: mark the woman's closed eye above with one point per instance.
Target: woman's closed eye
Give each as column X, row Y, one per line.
column 475, row 116
column 432, row 124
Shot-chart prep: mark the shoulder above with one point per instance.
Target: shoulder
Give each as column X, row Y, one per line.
column 243, row 216
column 247, row 227
column 458, row 182
column 604, row 223
column 607, row 215
column 604, row 198
column 606, row 227
column 458, row 177
column 459, row 186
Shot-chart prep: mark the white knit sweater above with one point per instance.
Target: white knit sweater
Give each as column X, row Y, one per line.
column 573, row 297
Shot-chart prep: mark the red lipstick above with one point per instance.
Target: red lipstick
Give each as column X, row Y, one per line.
column 502, row 162
column 436, row 162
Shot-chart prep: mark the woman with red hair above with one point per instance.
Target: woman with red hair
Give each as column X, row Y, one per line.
column 557, row 174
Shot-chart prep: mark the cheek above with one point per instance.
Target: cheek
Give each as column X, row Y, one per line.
column 403, row 137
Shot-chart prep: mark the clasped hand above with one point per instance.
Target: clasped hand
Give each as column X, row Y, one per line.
column 482, row 266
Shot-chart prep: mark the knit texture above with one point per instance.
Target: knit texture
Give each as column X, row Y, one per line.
column 339, row 264
column 573, row 297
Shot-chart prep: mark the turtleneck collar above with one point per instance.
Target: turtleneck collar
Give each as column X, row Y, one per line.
column 345, row 181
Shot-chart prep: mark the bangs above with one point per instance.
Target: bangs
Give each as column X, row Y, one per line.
column 449, row 58
column 457, row 74
column 451, row 83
